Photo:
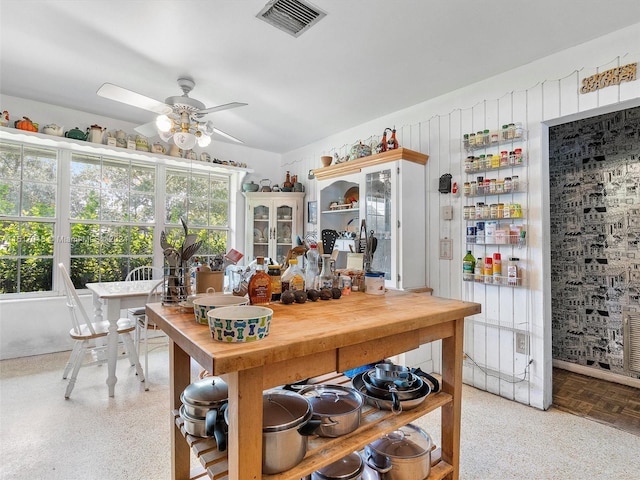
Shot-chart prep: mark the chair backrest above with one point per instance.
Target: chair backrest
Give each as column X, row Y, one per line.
column 77, row 312
column 155, row 295
column 146, row 272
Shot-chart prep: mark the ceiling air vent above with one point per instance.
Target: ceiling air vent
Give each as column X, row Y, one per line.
column 292, row 16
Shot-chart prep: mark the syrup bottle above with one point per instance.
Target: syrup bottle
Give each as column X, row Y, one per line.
column 260, row 285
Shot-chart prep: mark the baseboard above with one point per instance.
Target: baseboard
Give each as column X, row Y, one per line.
column 593, row 372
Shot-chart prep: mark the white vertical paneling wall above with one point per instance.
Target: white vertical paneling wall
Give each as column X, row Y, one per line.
column 534, row 94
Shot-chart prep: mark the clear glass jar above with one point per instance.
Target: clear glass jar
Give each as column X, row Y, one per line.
column 505, row 132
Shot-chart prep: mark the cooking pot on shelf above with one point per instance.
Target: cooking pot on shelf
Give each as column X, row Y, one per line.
column 338, row 408
column 350, row 467
column 402, row 454
column 286, row 423
column 202, row 409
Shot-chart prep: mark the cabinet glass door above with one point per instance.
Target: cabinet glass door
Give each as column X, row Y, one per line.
column 378, row 218
column 261, row 230
column 284, row 228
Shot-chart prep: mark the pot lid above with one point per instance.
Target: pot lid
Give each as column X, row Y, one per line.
column 346, row 468
column 407, row 442
column 282, row 410
column 206, row 392
column 332, row 399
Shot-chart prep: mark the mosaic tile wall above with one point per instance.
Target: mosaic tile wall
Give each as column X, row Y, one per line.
column 594, row 171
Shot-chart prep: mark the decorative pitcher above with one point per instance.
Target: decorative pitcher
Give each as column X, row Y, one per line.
column 95, row 134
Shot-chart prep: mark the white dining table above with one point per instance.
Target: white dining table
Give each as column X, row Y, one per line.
column 109, row 298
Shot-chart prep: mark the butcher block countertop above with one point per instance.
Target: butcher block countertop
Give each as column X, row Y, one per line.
column 309, row 340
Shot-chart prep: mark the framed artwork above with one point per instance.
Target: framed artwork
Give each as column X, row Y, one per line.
column 312, row 212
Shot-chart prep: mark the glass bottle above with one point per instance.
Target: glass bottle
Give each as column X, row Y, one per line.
column 326, row 277
column 312, row 272
column 287, row 181
column 260, row 285
column 293, row 277
column 383, row 142
column 393, row 142
column 276, row 282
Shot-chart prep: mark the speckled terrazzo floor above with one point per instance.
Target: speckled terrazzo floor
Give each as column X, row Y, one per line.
column 92, row 436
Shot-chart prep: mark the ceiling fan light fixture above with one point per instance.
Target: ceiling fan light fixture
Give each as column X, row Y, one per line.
column 185, row 140
column 204, row 141
column 164, row 123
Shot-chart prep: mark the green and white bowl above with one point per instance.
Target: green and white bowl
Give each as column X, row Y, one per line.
column 202, row 305
column 240, row 324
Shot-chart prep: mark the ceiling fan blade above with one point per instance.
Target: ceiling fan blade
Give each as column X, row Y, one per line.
column 147, row 129
column 226, row 135
column 119, row 94
column 220, row 108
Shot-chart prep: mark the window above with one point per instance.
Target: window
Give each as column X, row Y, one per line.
column 112, row 217
column 28, row 185
column 100, row 214
column 202, row 199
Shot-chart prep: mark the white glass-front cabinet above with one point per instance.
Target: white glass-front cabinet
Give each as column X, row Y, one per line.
column 273, row 223
column 388, row 189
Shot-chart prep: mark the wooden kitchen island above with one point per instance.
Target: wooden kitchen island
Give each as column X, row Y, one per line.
column 310, row 340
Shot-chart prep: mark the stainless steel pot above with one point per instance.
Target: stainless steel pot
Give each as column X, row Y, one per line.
column 286, row 422
column 338, row 408
column 350, row 467
column 202, row 402
column 388, row 404
column 407, row 451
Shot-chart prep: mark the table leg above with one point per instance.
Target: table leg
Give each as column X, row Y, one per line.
column 452, row 384
column 245, row 424
column 179, row 378
column 113, row 314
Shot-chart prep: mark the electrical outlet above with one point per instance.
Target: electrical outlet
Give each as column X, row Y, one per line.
column 522, row 343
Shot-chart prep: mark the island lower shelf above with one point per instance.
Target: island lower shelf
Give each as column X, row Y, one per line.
column 321, row 451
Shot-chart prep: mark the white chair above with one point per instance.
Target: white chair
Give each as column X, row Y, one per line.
column 146, row 272
column 143, row 324
column 84, row 332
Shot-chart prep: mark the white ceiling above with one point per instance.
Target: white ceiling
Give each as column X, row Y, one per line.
column 365, row 59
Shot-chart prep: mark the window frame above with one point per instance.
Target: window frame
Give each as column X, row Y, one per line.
column 62, row 223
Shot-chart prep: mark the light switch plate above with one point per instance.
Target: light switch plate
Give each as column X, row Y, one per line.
column 447, row 212
column 446, row 245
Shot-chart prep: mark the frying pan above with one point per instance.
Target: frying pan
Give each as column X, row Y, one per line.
column 385, row 404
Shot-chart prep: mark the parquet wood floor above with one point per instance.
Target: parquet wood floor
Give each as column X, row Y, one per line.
column 605, row 402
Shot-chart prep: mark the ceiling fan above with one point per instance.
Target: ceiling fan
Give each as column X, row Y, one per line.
column 183, row 112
